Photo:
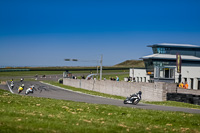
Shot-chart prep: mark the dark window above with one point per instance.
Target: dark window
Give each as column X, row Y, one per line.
column 155, row 50
column 191, row 83
column 185, row 79
column 198, row 84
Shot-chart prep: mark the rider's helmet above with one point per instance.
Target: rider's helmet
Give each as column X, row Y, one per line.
column 140, row 92
column 22, row 85
column 32, row 86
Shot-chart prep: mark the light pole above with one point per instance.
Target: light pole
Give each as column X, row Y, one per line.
column 101, row 63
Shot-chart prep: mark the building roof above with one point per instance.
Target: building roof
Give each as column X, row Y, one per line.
column 174, row 45
column 171, row 57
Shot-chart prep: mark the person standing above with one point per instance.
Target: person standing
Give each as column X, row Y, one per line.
column 186, row 85
column 181, row 85
column 117, row 78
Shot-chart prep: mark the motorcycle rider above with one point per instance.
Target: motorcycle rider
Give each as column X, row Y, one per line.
column 138, row 94
column 21, row 88
column 12, row 84
column 21, row 79
column 134, row 98
column 30, row 90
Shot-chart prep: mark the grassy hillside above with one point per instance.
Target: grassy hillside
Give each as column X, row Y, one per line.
column 31, row 114
column 121, row 66
column 131, row 63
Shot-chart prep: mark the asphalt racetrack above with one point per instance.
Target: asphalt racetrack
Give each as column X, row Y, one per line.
column 49, row 91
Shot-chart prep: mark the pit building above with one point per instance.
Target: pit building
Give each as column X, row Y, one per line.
column 161, row 65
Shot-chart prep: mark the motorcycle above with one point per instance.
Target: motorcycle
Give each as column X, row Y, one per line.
column 133, row 99
column 21, row 88
column 29, row 90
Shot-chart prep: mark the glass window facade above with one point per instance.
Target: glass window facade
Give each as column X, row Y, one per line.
column 160, row 50
column 149, row 65
column 174, row 50
column 164, row 72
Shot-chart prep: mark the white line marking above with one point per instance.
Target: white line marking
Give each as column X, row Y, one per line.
column 9, row 88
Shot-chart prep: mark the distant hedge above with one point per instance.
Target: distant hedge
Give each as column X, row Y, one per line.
column 61, row 69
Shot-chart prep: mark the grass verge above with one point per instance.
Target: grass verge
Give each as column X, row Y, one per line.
column 174, row 103
column 31, row 114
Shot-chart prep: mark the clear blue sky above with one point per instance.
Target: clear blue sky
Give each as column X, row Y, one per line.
column 45, row 32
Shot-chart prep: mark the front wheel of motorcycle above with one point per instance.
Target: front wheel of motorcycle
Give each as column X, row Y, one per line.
column 135, row 102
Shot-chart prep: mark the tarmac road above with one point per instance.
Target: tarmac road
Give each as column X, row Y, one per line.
column 49, row 91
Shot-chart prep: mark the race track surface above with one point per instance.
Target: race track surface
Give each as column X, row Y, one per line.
column 49, row 91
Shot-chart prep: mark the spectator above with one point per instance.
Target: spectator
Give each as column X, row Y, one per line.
column 181, row 85
column 117, row 78
column 186, row 85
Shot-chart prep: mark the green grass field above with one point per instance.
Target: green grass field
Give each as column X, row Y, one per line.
column 33, row 73
column 31, row 114
column 106, row 74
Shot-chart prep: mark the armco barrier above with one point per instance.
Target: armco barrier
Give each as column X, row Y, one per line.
column 150, row 91
column 184, row 95
column 186, row 98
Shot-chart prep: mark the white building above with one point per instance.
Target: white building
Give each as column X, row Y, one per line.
column 161, row 65
column 139, row 74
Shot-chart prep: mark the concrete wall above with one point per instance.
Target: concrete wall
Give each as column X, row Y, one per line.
column 150, row 91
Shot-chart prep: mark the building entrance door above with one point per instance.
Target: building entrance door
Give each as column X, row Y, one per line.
column 198, row 84
column 166, row 72
column 191, row 83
